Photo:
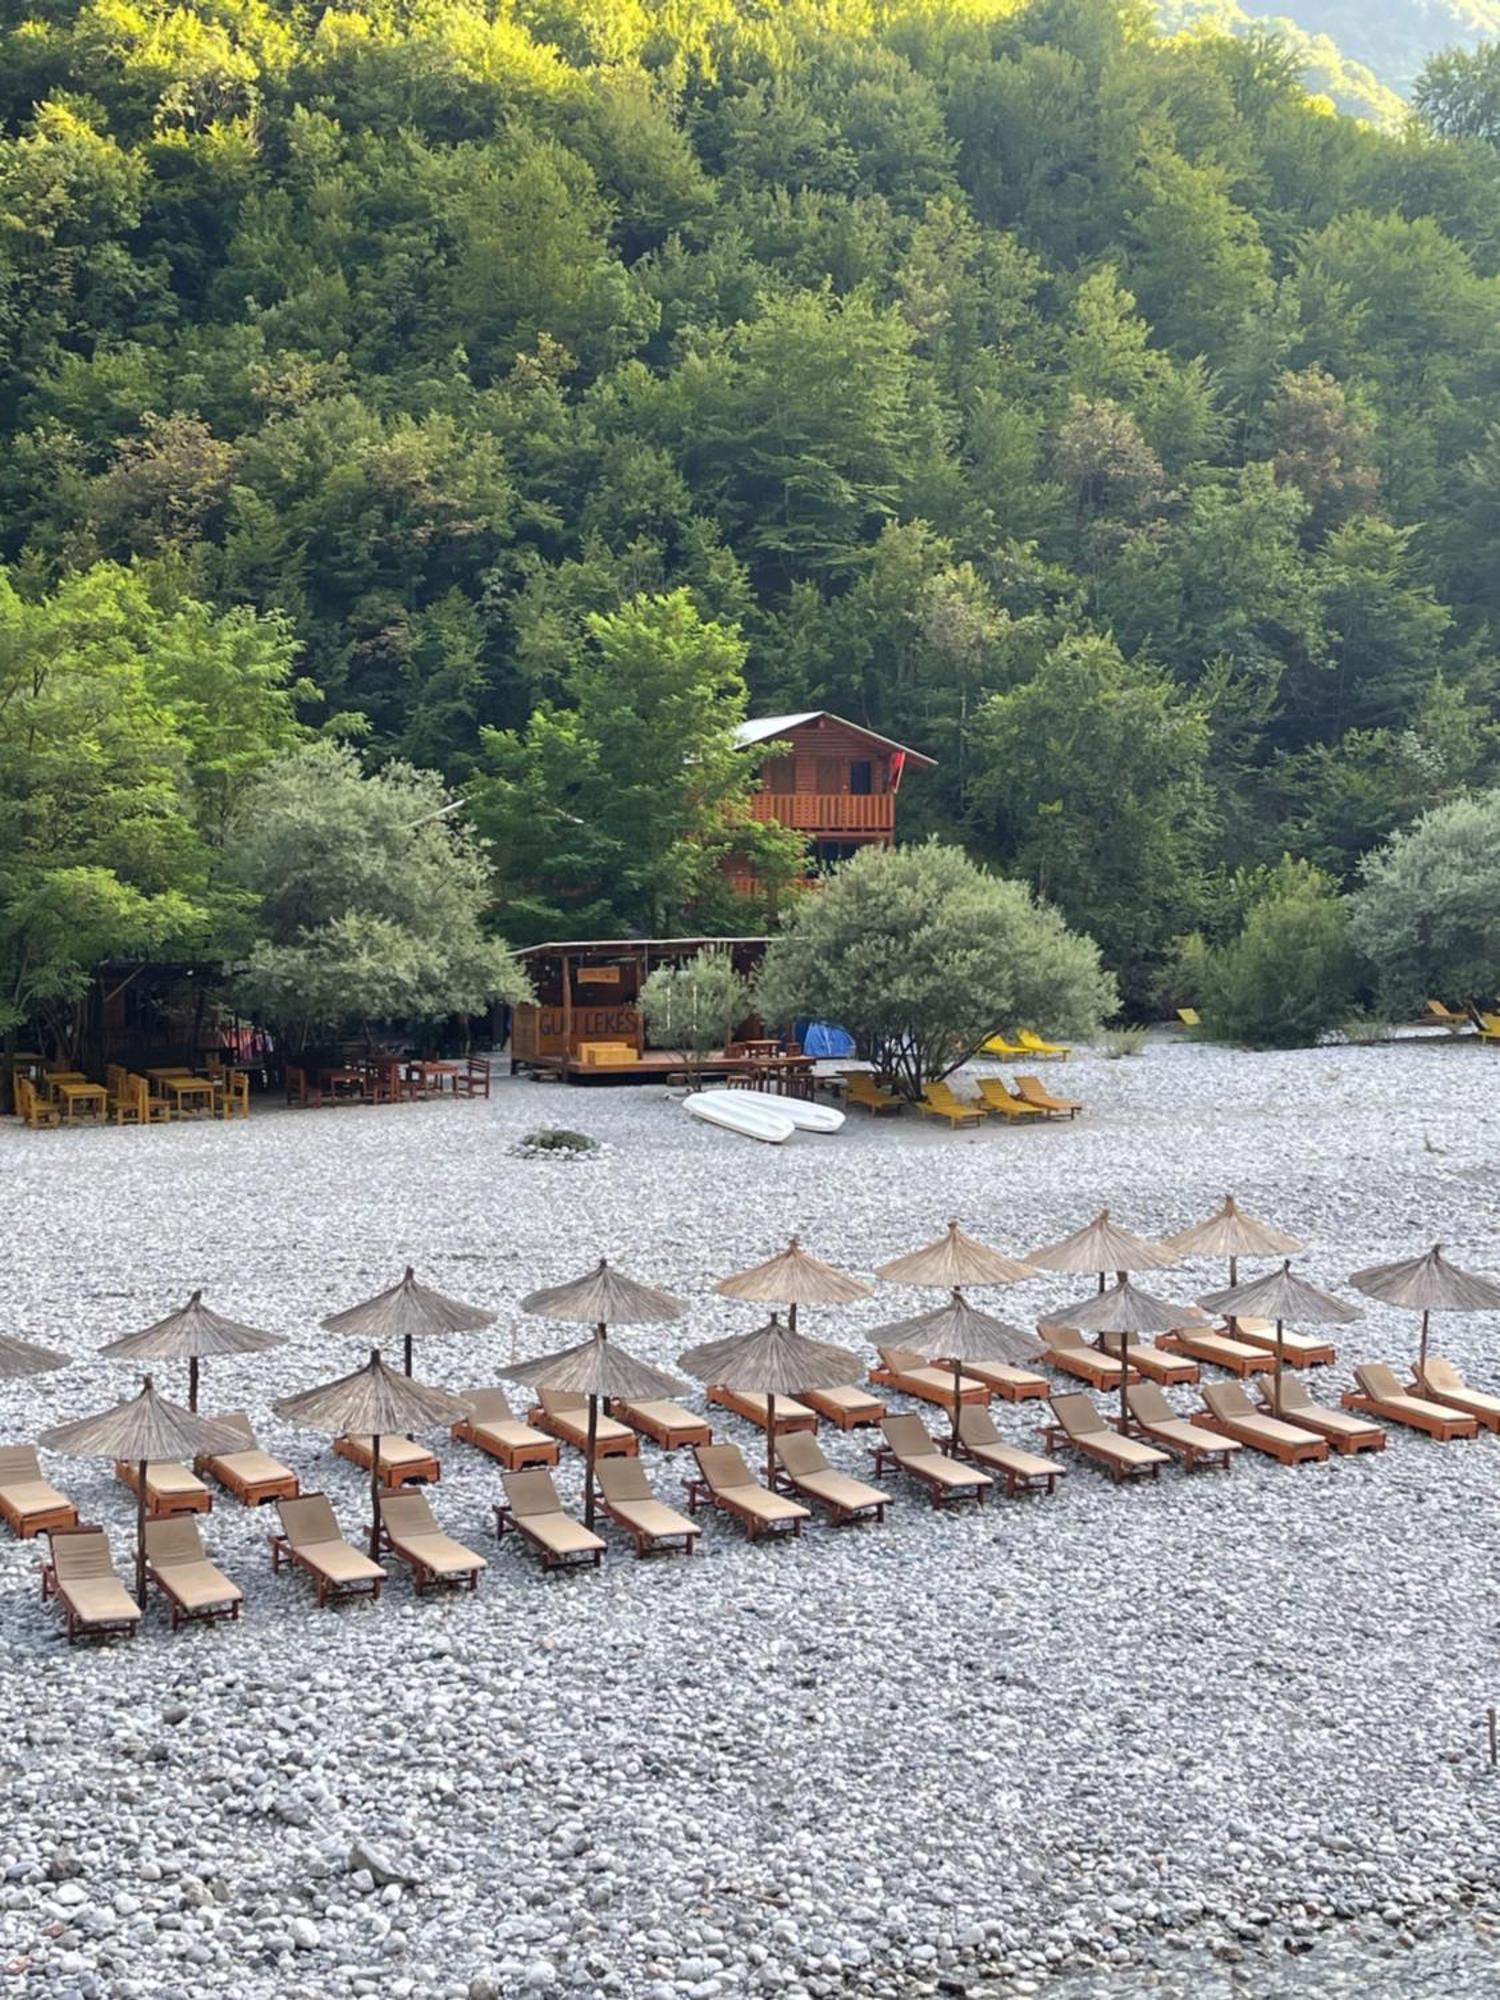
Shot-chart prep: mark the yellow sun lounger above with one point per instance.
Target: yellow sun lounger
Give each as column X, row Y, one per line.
column 938, row 1101
column 1033, row 1045
column 997, row 1045
column 995, row 1098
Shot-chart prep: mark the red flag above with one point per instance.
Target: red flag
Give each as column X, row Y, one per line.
column 898, row 765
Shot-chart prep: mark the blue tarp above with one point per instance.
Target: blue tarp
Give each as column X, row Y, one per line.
column 824, row 1040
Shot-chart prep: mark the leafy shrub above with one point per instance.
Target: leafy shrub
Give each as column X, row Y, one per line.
column 1428, row 914
column 557, row 1139
column 1291, row 973
column 1128, row 1041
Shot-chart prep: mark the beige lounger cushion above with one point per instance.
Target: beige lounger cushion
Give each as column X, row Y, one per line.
column 312, row 1528
column 836, row 1489
column 32, row 1496
column 1384, row 1385
column 1177, row 1430
column 990, row 1373
column 174, row 1548
column 1299, row 1408
column 87, row 1583
column 572, row 1412
column 1010, row 1458
column 666, row 1416
column 729, row 1478
column 786, row 1406
column 394, row 1451
column 414, row 1531
column 651, row 1517
column 534, row 1505
column 846, row 1397
column 252, row 1468
column 171, row 1481
column 902, row 1362
column 18, row 1463
column 511, row 1434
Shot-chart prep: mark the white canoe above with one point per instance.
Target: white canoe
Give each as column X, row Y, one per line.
column 804, row 1114
column 740, row 1111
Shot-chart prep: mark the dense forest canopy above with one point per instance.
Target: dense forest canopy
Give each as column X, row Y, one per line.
column 1091, row 408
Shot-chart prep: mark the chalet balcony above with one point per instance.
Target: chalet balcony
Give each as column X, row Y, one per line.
column 828, row 812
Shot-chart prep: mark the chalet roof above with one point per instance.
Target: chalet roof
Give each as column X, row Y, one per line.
column 627, row 946
column 769, row 728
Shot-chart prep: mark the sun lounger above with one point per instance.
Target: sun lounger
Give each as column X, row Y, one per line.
column 533, row 1509
column 861, row 1088
column 251, row 1476
column 938, row 1101
column 1080, row 1426
column 1031, row 1090
column 403, row 1462
column 1012, row 1385
column 1022, row 1471
column 655, row 1528
column 1442, row 1383
column 1201, row 1450
column 900, row 1369
column 177, row 1563
column 848, row 1406
column 1002, row 1103
column 1346, row 1432
column 727, row 1481
column 30, row 1504
column 753, row 1407
column 1447, row 1016
column 1487, row 1024
column 807, row 1470
column 410, row 1530
column 1190, row 1017
column 310, row 1539
column 1206, row 1344
column 1068, row 1350
column 80, row 1574
column 1229, row 1410
column 1380, row 1394
column 492, row 1426
column 997, row 1045
column 909, row 1442
column 1156, row 1365
column 170, row 1488
column 666, row 1424
column 566, row 1416
column 1298, row 1350
column 1033, row 1045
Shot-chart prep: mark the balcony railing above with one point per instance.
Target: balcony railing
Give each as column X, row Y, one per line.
column 828, row 812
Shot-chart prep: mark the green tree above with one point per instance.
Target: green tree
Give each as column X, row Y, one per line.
column 694, row 1007
column 1427, row 912
column 1090, row 780
column 919, row 954
column 371, row 904
column 1291, row 973
column 623, row 806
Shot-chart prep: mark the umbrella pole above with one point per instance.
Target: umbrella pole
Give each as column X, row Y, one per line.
column 771, row 1437
column 588, row 1462
column 193, row 1382
column 957, row 1378
column 1276, row 1390
column 1124, row 1378
column 375, row 1497
column 408, row 1354
column 1422, row 1357
column 601, row 1332
column 140, row 1534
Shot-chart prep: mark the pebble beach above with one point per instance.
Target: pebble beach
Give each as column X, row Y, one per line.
column 1208, row 1736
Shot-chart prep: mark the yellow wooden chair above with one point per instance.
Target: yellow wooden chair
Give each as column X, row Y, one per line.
column 232, row 1100
column 32, row 1108
column 938, row 1101
column 148, row 1110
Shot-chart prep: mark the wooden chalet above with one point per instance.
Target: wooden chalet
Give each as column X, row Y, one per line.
column 585, row 1024
column 831, row 779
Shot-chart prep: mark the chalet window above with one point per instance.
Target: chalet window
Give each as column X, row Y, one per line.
column 861, row 777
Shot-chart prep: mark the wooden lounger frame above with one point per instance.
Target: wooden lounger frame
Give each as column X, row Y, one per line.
column 1057, row 1437
column 183, row 1614
column 25, row 1526
column 1036, row 1390
column 1441, row 1431
column 1017, row 1480
column 1086, row 1364
column 940, row 1494
column 1166, row 1370
column 551, row 1558
column 424, row 1471
column 249, row 1492
column 576, row 1433
column 1283, row 1450
column 157, row 1508
column 109, row 1628
column 514, row 1457
column 667, row 1542
column 1195, row 1457
column 423, row 1576
column 1345, row 1443
column 753, row 1413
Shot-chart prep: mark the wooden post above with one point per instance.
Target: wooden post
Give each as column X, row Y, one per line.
column 1494, row 1720
column 567, row 986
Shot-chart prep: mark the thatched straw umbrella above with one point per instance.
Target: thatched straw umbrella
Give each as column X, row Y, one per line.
column 597, row 1367
column 792, row 1278
column 403, row 1312
column 18, row 1358
column 1282, row 1297
column 602, row 1298
column 145, row 1428
column 956, row 1333
column 1102, row 1246
column 1428, row 1284
column 1230, row 1232
column 773, row 1360
column 374, row 1400
column 955, row 1259
column 1117, row 1313
column 190, row 1334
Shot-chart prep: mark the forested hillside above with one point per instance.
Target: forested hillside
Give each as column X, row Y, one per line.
column 1088, row 409
column 1394, row 38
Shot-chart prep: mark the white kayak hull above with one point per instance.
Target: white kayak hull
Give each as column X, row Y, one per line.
column 742, row 1112
column 803, row 1113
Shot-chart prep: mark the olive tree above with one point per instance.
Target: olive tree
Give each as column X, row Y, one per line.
column 921, row 955
column 694, row 1007
column 1427, row 914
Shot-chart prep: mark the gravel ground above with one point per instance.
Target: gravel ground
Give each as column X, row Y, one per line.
column 1153, row 1740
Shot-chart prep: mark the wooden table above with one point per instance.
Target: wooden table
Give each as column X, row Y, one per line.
column 49, row 1085
column 198, row 1091
column 72, row 1095
column 345, row 1083
column 433, row 1077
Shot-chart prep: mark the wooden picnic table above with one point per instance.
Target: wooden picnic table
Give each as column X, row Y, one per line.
column 74, row 1093
column 52, row 1078
column 186, row 1090
column 433, row 1076
column 346, row 1083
